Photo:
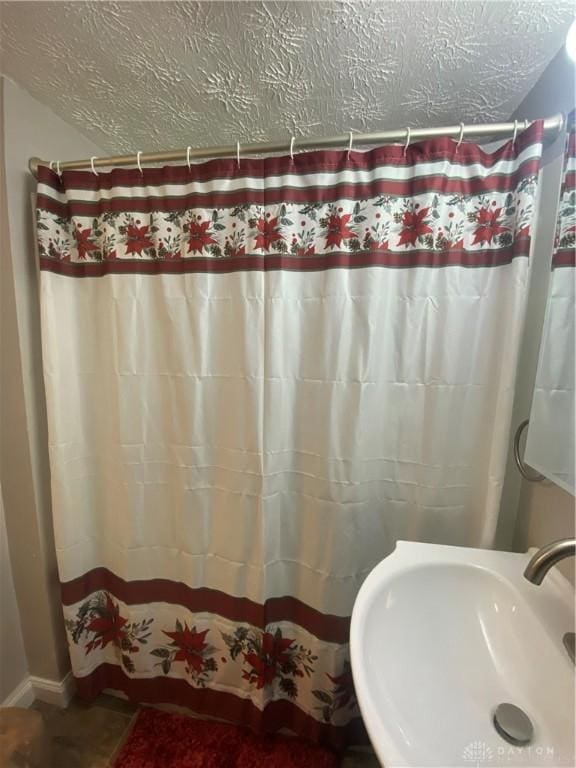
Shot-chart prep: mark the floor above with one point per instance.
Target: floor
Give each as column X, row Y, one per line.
column 90, row 735
column 86, row 735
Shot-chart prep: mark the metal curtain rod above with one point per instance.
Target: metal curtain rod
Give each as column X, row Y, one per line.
column 552, row 127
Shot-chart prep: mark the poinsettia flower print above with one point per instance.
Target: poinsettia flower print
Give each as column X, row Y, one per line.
column 488, row 225
column 337, row 230
column 269, row 658
column 99, row 618
column 137, row 239
column 199, row 236
column 107, row 625
column 84, row 242
column 190, row 645
column 414, row 225
column 265, row 661
column 268, row 232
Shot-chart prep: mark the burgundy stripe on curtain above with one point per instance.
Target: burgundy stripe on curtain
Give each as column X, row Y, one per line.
column 251, row 396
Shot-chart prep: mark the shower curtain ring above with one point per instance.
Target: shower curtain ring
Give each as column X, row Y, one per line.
column 292, row 149
column 238, row 154
column 138, row 162
column 350, row 144
column 408, row 131
column 188, row 158
column 94, row 171
column 461, row 136
column 58, row 171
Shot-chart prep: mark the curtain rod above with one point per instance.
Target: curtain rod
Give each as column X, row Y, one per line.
column 552, row 127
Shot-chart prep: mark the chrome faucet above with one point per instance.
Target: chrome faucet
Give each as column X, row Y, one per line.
column 548, row 556
column 539, row 566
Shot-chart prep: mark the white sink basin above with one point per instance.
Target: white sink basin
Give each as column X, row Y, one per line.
column 440, row 636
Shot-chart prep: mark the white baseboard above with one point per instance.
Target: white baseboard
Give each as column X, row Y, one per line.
column 21, row 696
column 54, row 692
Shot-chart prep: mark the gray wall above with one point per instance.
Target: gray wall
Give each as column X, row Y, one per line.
column 29, row 129
column 13, row 663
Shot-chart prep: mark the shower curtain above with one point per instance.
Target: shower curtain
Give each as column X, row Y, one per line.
column 258, row 378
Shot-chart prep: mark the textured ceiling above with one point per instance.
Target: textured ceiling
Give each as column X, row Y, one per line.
column 149, row 76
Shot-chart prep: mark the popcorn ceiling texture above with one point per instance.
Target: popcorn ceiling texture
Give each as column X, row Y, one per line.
column 152, row 76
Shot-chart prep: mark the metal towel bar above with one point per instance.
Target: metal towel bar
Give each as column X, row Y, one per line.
column 522, row 467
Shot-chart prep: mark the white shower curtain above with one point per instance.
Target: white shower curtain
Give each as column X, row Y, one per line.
column 258, row 379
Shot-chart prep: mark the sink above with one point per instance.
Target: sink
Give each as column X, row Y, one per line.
column 441, row 636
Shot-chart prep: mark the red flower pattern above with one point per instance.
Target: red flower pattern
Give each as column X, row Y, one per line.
column 84, row 243
column 488, row 225
column 270, row 658
column 99, row 617
column 191, row 645
column 268, row 233
column 137, row 239
column 337, row 230
column 414, row 225
column 265, row 665
column 441, row 224
column 107, row 625
column 199, row 236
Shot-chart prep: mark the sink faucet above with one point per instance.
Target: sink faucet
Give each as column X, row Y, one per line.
column 539, row 566
column 548, row 556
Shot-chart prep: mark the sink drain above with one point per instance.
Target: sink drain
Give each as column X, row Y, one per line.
column 513, row 724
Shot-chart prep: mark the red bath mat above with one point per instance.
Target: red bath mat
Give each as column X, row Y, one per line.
column 166, row 740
